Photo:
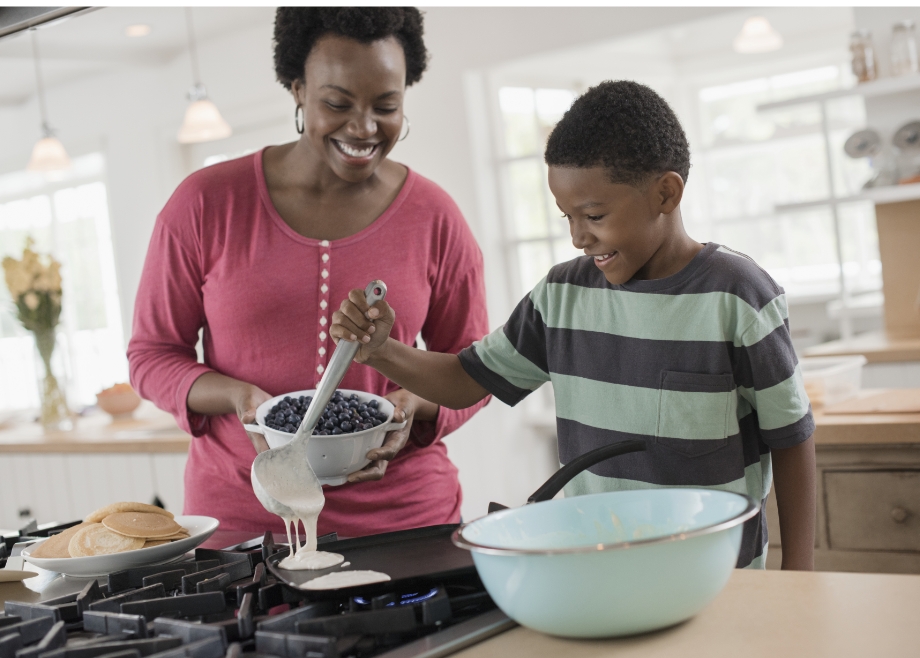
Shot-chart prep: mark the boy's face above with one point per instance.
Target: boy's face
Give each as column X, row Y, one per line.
column 617, row 224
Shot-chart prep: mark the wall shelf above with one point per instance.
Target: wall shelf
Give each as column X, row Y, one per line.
column 878, row 195
column 880, row 87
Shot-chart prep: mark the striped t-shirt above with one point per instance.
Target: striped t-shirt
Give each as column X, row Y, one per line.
column 699, row 365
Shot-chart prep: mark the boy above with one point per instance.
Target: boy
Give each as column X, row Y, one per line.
column 650, row 335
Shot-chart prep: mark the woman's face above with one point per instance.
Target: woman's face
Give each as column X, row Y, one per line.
column 352, row 95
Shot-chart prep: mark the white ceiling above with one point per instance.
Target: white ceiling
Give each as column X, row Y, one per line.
column 95, row 43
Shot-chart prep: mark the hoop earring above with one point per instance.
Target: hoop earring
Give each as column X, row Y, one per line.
column 408, row 128
column 298, row 119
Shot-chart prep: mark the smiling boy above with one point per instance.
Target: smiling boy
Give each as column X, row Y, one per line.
column 650, row 335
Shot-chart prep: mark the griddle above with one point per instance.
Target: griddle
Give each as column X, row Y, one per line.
column 421, row 556
column 411, row 558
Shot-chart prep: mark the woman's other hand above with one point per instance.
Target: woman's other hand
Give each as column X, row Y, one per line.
column 247, row 401
column 370, row 326
column 408, row 408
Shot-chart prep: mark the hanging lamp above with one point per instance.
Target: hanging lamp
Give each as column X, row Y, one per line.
column 757, row 36
column 48, row 154
column 203, row 122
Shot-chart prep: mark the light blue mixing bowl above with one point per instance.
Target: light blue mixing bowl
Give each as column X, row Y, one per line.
column 609, row 564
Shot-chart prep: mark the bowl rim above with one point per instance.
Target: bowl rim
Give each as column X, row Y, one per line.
column 261, row 423
column 751, row 509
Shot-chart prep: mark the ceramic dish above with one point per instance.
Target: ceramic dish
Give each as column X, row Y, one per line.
column 333, row 458
column 199, row 527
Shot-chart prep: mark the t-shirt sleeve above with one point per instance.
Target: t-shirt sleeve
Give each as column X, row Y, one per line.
column 771, row 378
column 511, row 361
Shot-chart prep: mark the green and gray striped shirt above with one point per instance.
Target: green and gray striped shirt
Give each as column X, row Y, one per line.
column 699, row 365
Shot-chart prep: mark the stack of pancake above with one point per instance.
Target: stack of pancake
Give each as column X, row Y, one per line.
column 113, row 529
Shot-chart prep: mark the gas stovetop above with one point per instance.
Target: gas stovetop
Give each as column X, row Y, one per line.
column 223, row 602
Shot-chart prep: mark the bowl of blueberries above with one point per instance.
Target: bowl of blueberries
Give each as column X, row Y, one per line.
column 352, row 423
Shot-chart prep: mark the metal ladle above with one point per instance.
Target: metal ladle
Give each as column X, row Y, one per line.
column 282, row 478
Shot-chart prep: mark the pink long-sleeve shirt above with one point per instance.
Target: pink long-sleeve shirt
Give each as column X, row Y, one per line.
column 222, row 260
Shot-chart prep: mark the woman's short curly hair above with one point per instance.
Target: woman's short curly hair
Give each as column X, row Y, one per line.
column 625, row 127
column 297, row 30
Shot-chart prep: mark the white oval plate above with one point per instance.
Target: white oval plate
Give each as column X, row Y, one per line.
column 199, row 527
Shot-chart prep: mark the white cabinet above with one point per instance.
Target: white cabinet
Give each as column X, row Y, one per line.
column 65, row 487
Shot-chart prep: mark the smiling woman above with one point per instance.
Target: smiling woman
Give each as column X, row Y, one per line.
column 252, row 250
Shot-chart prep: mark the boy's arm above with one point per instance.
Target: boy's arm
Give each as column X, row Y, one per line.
column 434, row 376
column 794, row 479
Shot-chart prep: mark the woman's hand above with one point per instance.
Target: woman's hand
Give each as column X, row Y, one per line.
column 408, row 408
column 248, row 399
column 370, row 326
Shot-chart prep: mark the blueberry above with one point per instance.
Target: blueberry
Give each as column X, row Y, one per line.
column 373, row 403
column 288, row 399
column 289, row 429
column 365, row 415
column 328, row 425
column 322, row 433
column 344, row 416
column 337, row 430
column 362, row 407
column 346, row 426
column 381, row 416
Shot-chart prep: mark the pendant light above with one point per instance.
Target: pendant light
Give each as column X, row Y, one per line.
column 203, row 122
column 48, row 154
column 757, row 36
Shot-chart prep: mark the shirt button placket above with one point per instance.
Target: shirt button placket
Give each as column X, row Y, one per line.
column 324, row 313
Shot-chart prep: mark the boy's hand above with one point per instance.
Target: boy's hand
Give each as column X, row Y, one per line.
column 356, row 321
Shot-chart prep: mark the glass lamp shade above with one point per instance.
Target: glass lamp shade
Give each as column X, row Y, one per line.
column 203, row 123
column 757, row 36
column 48, row 154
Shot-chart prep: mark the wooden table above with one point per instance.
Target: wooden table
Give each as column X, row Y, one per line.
column 866, row 429
column 877, row 347
column 760, row 614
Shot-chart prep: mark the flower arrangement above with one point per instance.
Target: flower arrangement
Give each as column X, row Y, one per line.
column 35, row 285
column 36, row 288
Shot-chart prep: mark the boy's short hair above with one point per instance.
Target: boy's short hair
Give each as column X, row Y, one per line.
column 625, row 127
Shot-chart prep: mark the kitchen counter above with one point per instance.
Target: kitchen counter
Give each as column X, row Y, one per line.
column 149, row 430
column 876, row 346
column 868, row 428
column 768, row 614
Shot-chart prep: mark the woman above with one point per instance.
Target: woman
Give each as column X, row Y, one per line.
column 252, row 251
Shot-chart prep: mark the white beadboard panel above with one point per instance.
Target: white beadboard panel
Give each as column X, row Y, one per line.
column 61, row 509
column 80, row 469
column 169, row 471
column 67, row 487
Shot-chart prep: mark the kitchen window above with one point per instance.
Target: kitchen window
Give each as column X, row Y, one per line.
column 746, row 163
column 536, row 233
column 66, row 215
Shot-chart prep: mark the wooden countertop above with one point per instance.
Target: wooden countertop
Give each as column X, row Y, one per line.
column 877, row 347
column 154, row 431
column 148, row 431
column 760, row 614
column 866, row 429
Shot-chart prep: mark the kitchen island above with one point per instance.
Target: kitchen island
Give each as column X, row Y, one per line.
column 760, row 614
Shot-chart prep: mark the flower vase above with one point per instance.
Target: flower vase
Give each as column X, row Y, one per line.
column 54, row 412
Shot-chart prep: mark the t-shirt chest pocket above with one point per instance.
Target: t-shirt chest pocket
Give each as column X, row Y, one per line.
column 694, row 412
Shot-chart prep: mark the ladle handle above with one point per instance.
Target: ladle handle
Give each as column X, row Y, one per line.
column 562, row 477
column 339, row 363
